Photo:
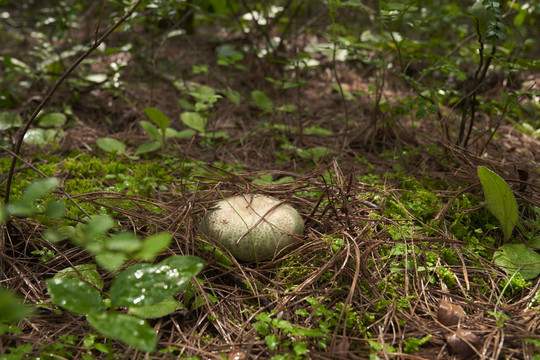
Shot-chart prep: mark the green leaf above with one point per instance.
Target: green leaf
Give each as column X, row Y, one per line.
column 38, row 189
column 128, row 329
column 54, row 119
column 152, row 131
column 272, row 341
column 111, row 260
column 110, row 145
column 500, row 200
column 232, row 96
column 518, row 257
column 55, row 210
column 75, row 295
column 184, row 134
column 186, row 104
column 145, row 284
column 98, row 225
column 154, row 245
column 87, row 271
column 262, row 101
column 125, row 242
column 148, row 147
column 154, row 311
column 9, row 120
column 158, row 117
column 194, row 120
column 11, row 307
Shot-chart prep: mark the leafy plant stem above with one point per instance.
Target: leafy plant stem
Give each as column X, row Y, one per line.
column 51, row 92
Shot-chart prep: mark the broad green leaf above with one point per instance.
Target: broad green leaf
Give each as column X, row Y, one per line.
column 262, row 101
column 148, row 147
column 9, row 120
column 38, row 189
column 11, row 307
column 272, row 341
column 97, row 226
column 158, row 117
column 111, row 260
column 500, row 200
column 162, row 308
column 110, row 145
column 75, row 294
column 186, row 104
column 128, row 329
column 152, row 131
column 125, row 242
column 184, row 134
column 145, row 284
column 53, row 119
column 232, row 96
column 55, row 210
column 518, row 257
column 153, row 246
column 88, row 273
column 194, row 120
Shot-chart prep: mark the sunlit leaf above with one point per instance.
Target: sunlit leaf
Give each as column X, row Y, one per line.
column 152, row 131
column 148, row 147
column 158, row 117
column 110, row 145
column 500, row 200
column 88, row 272
column 53, row 119
column 194, row 120
column 162, row 308
column 145, row 284
column 153, row 246
column 74, row 294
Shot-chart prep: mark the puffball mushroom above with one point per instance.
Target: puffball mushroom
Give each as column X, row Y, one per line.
column 253, row 227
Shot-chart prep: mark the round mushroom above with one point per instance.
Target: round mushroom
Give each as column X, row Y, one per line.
column 253, row 227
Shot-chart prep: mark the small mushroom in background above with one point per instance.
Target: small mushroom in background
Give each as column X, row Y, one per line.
column 253, row 227
column 449, row 314
column 463, row 343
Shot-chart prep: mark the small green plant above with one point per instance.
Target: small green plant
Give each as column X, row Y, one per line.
column 281, row 335
column 501, row 202
column 78, row 289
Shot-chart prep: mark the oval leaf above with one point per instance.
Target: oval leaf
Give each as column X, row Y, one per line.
column 110, row 145
column 54, row 119
column 262, row 101
column 74, row 294
column 128, row 329
column 500, row 200
column 147, row 147
column 88, row 273
column 162, row 308
column 194, row 121
column 151, row 130
column 158, row 117
column 518, row 257
column 153, row 245
column 145, row 284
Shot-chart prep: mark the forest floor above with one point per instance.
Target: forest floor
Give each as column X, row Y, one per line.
column 397, row 241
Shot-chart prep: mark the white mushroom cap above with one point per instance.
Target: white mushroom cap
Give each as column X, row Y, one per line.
column 253, row 227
